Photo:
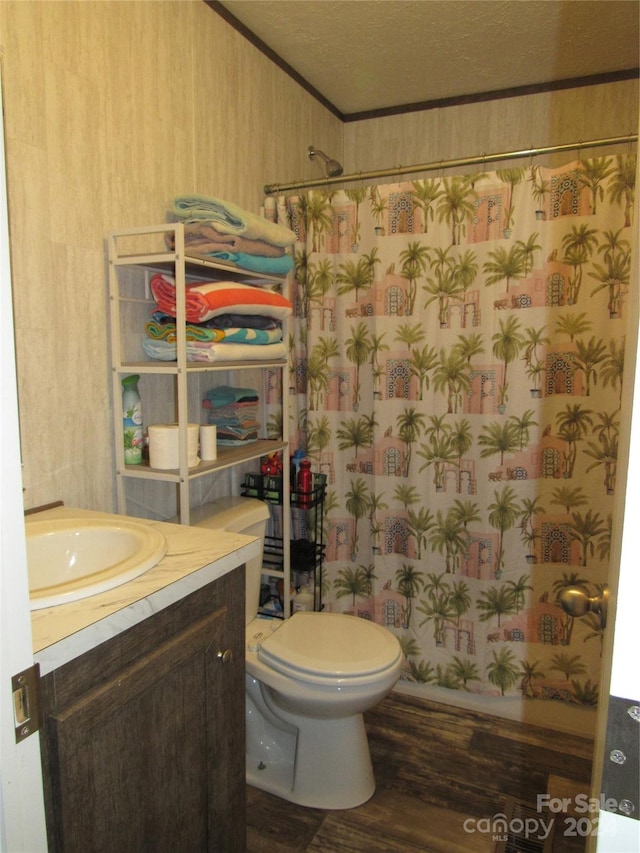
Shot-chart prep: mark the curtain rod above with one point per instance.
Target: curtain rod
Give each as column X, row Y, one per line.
column 270, row 189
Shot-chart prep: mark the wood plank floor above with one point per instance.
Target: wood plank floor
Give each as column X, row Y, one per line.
column 436, row 767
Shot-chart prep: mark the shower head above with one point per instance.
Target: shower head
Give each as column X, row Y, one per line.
column 332, row 167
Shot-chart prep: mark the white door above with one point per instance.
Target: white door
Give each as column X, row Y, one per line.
column 619, row 780
column 22, row 825
column 616, row 774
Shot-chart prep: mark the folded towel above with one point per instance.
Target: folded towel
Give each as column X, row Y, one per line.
column 214, row 351
column 234, row 410
column 256, row 263
column 256, row 337
column 231, row 219
column 204, row 301
column 203, row 238
column 226, row 321
column 167, row 332
column 194, row 332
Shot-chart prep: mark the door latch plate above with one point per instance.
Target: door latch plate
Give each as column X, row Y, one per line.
column 25, row 689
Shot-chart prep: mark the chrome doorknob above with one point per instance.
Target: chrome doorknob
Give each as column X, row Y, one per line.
column 576, row 602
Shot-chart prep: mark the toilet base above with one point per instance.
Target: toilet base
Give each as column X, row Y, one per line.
column 329, row 767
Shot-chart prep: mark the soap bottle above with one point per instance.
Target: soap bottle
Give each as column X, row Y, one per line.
column 305, row 484
column 303, row 599
column 132, row 425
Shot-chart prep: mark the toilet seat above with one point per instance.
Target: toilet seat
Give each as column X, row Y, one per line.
column 328, row 648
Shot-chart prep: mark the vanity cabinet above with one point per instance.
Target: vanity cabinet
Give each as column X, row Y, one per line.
column 172, row 391
column 143, row 737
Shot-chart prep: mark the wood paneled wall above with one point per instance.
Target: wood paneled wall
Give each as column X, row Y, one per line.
column 112, row 109
column 487, row 127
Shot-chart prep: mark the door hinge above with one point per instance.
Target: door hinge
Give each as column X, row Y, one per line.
column 620, row 776
column 25, row 688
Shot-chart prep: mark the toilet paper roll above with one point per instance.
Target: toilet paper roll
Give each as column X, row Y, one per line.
column 164, row 452
column 209, row 441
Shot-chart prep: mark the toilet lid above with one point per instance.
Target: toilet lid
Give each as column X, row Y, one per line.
column 329, row 644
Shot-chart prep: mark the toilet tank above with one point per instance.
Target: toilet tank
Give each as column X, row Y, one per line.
column 238, row 515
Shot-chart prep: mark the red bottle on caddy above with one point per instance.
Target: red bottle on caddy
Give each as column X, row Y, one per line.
column 305, row 484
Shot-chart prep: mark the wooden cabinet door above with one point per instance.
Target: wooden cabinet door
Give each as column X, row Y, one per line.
column 134, row 762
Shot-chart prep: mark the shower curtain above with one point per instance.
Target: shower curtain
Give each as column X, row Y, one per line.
column 456, row 364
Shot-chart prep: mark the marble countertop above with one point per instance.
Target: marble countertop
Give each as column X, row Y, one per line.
column 195, row 557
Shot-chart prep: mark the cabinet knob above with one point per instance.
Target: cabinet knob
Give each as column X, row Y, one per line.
column 225, row 656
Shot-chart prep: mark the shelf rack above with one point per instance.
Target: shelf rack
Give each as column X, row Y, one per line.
column 134, row 256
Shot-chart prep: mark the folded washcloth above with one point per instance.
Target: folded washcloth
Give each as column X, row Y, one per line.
column 234, row 410
column 204, row 301
column 234, row 420
column 228, row 218
column 238, row 429
column 224, row 395
column 214, row 351
column 225, row 439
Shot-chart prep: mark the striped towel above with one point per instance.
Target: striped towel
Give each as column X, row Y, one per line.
column 194, row 332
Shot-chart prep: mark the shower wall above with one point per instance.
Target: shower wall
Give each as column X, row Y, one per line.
column 517, row 123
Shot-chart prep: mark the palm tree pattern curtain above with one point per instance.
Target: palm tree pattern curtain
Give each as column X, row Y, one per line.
column 456, row 371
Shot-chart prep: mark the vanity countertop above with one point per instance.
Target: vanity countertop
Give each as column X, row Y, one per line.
column 195, row 557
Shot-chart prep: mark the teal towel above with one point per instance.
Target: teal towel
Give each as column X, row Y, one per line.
column 223, row 395
column 256, row 263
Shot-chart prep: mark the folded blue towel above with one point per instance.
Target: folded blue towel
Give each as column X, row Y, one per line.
column 222, row 395
column 256, row 263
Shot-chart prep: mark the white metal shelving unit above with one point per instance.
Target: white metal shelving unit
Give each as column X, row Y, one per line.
column 134, row 255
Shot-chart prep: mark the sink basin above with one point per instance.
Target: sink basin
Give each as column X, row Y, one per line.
column 73, row 558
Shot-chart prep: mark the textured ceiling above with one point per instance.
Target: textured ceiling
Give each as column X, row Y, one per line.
column 368, row 55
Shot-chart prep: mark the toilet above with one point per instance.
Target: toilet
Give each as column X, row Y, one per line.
column 308, row 680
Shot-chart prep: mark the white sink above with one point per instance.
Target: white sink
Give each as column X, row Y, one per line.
column 73, row 558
